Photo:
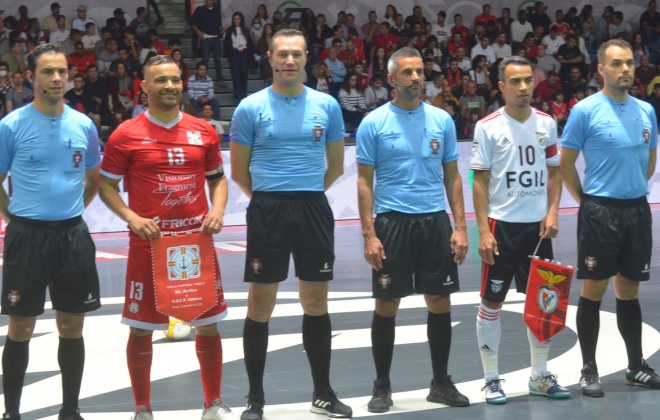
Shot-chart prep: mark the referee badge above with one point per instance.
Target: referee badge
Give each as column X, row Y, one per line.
column 384, row 281
column 434, row 144
column 317, row 132
column 646, row 135
column 591, row 263
column 77, row 158
column 13, row 297
column 542, row 138
column 256, row 266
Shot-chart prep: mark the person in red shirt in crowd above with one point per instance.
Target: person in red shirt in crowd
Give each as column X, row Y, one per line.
column 352, row 54
column 336, row 44
column 460, row 28
column 81, row 58
column 454, row 75
column 456, row 41
column 562, row 27
column 385, row 39
column 485, row 16
column 156, row 43
column 546, row 89
column 645, row 72
column 529, row 45
column 363, row 78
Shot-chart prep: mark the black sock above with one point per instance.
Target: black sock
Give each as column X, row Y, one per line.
column 382, row 344
column 629, row 321
column 14, row 364
column 438, row 330
column 255, row 346
column 71, row 357
column 317, row 341
column 588, row 327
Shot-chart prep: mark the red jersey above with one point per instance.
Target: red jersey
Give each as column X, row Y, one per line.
column 82, row 61
column 389, row 43
column 165, row 168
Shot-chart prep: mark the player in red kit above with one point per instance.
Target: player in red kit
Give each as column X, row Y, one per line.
column 165, row 157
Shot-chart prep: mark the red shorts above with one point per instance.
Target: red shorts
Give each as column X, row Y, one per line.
column 140, row 299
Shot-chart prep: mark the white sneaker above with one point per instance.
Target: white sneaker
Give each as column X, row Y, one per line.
column 218, row 411
column 494, row 392
column 142, row 414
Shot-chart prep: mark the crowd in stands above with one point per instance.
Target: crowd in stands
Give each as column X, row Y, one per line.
column 347, row 58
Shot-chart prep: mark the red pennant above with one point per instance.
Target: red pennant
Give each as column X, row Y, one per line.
column 184, row 275
column 548, row 289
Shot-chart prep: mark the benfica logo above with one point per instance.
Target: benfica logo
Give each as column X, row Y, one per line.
column 434, row 144
column 317, row 132
column 384, row 281
column 183, row 262
column 13, row 297
column 591, row 263
column 77, row 158
column 256, row 266
column 496, row 285
column 646, row 135
column 548, row 298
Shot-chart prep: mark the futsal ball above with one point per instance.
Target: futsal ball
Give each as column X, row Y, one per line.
column 177, row 329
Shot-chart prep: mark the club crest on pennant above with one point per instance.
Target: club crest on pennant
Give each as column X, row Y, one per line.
column 591, row 263
column 317, row 132
column 256, row 266
column 646, row 135
column 384, row 281
column 183, row 262
column 434, row 144
column 77, row 158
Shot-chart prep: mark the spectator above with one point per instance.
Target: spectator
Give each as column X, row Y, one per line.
column 90, row 38
column 464, row 62
column 649, row 23
column 520, row 29
column 140, row 25
column 468, row 129
column 81, row 20
column 49, row 24
column 559, row 110
column 479, row 31
column 156, row 43
column 378, row 65
column 399, row 29
column 545, row 62
column 481, row 76
column 107, row 57
column 263, row 45
column 415, row 18
column 560, row 25
column 238, row 50
column 572, row 19
column 385, row 39
column 455, row 43
column 132, row 66
column 81, row 100
column 589, row 26
column 654, row 100
column 142, row 106
column 352, row 54
column 349, row 23
column 501, row 48
column 146, row 52
column 278, row 21
column 32, row 32
column 569, row 55
column 537, row 73
column 200, row 90
column 23, row 20
column 484, row 48
column 60, row 33
column 645, row 72
column 321, row 78
column 100, row 45
column 471, row 100
column 574, row 82
column 578, row 95
column 69, row 45
column 95, row 85
column 547, row 108
column 124, row 79
column 460, row 28
column 546, row 89
column 540, row 18
column 454, row 76
column 177, row 56
column 19, row 95
column 132, row 45
column 337, row 71
column 504, row 23
column 485, row 17
column 390, row 14
column 553, row 41
column 604, row 22
column 337, row 34
column 441, row 30
column 207, row 115
column 619, row 28
column 363, row 78
column 321, row 32
column 307, row 24
column 262, row 14
column 376, row 95
column 14, row 57
column 81, row 58
column 351, row 100
column 117, row 23
column 256, row 30
column 639, row 48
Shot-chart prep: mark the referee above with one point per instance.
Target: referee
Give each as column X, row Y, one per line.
column 52, row 152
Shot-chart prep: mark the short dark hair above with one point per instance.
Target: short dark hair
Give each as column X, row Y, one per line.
column 514, row 60
column 199, row 64
column 33, row 56
column 157, row 60
column 89, row 25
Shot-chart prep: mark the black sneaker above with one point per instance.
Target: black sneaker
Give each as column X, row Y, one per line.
column 255, row 408
column 382, row 398
column 444, row 392
column 328, row 404
column 590, row 382
column 70, row 416
column 643, row 376
column 11, row 416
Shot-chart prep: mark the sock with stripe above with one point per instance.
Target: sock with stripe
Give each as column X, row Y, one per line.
column 209, row 355
column 489, row 333
column 139, row 355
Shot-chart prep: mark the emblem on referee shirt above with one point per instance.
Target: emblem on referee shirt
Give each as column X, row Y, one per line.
column 13, row 297
column 591, row 263
column 384, row 281
column 183, row 262
column 646, row 135
column 77, row 158
column 435, row 145
column 256, row 266
column 496, row 285
column 542, row 138
column 318, row 132
column 194, row 137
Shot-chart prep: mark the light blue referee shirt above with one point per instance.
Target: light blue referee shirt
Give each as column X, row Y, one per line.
column 47, row 158
column 288, row 138
column 407, row 149
column 615, row 138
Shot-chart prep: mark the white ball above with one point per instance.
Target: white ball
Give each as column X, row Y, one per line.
column 177, row 329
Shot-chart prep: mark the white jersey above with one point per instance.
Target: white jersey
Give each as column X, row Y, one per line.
column 517, row 156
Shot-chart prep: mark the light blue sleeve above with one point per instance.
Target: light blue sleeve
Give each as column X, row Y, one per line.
column 576, row 128
column 6, row 148
column 366, row 142
column 242, row 125
column 451, row 141
column 336, row 129
column 93, row 158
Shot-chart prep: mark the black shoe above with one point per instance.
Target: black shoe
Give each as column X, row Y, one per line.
column 255, row 408
column 444, row 392
column 327, row 403
column 643, row 376
column 11, row 416
column 590, row 382
column 382, row 397
column 70, row 416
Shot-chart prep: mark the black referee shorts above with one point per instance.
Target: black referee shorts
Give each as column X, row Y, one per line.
column 57, row 255
column 614, row 236
column 280, row 224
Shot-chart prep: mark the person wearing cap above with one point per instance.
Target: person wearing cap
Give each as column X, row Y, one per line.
column 117, row 23
column 50, row 22
column 81, row 19
column 441, row 30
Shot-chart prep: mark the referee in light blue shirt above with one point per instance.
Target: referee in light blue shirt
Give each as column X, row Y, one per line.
column 412, row 149
column 52, row 152
column 287, row 148
column 618, row 137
